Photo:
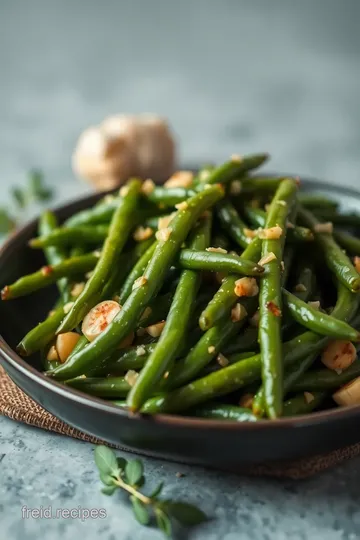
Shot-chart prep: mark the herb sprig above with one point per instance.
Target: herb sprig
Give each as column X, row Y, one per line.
column 35, row 191
column 118, row 473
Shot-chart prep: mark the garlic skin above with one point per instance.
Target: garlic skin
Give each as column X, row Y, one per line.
column 122, row 146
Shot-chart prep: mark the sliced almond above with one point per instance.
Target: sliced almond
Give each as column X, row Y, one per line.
column 131, row 376
column 222, row 360
column 266, row 259
column 246, row 286
column 339, row 354
column 99, row 318
column 272, row 233
column 324, row 228
column 155, row 330
column 216, row 250
column 65, row 344
column 142, row 233
column 139, row 282
column 349, row 394
column 163, row 235
column 148, row 186
column 180, row 179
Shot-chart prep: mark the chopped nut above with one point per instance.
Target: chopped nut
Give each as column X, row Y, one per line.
column 216, row 250
column 211, row 349
column 315, row 304
column 97, row 253
column 47, row 270
column 204, row 175
column 274, row 309
column 254, row 321
column 131, row 376
column 238, row 313
column 308, row 397
column 148, row 186
column 163, row 222
column 89, row 274
column 300, row 287
column 267, row 258
column 182, row 206
column 65, row 344
column 246, row 400
column 222, row 360
column 139, row 282
column 155, row 330
column 166, row 374
column 272, row 233
column 235, row 187
column 339, row 354
column 109, row 199
column 77, row 289
column 146, row 313
column 236, row 158
column 282, row 265
column 99, row 318
column 357, row 263
column 163, row 235
column 124, row 190
column 246, row 286
column 180, row 179
column 142, row 233
column 52, row 355
column 281, row 203
column 349, row 394
column 326, row 228
column 67, row 307
column 250, row 233
column 140, row 350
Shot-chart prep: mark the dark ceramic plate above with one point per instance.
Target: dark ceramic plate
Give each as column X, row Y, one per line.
column 208, row 442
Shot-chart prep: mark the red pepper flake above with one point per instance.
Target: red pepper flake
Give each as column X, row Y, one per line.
column 47, row 270
column 275, row 310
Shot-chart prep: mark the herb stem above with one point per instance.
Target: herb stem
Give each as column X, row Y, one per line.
column 130, row 489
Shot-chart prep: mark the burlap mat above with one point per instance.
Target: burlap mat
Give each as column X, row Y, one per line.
column 15, row 404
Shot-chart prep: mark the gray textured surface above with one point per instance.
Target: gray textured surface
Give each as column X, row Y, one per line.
column 232, row 76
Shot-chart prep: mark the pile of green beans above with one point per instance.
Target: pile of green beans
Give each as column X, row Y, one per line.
column 230, row 284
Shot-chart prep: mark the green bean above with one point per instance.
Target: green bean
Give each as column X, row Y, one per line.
column 137, row 271
column 221, row 241
column 49, row 275
column 157, row 310
column 207, row 348
column 118, row 234
column 110, row 387
column 99, row 214
column 305, row 278
column 234, row 168
column 140, row 297
column 336, row 260
column 326, row 379
column 53, row 254
column 312, row 201
column 260, row 184
column 225, row 298
column 271, row 302
column 176, row 325
column 257, row 217
column 243, row 342
column 348, row 241
column 218, row 262
column 69, row 237
column 217, row 411
column 318, row 322
column 170, row 196
column 232, row 223
column 300, row 404
column 344, row 220
column 132, row 358
column 41, row 335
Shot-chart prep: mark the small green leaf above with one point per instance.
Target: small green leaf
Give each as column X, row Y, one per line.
column 163, row 522
column 133, row 471
column 121, row 463
column 140, row 511
column 105, row 460
column 37, row 188
column 19, row 196
column 185, row 513
column 106, row 479
column 157, row 491
column 6, row 221
column 108, row 490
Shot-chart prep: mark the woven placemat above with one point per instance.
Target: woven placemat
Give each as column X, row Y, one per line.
column 15, row 404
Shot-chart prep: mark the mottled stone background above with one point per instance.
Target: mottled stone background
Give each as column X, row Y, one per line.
column 232, row 76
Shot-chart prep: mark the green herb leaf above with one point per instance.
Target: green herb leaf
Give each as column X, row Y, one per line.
column 140, row 511
column 6, row 222
column 37, row 188
column 108, row 490
column 163, row 522
column 106, row 479
column 157, row 491
column 20, row 197
column 185, row 513
column 105, row 460
column 121, row 463
column 133, row 471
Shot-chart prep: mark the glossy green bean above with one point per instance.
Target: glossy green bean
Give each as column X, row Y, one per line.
column 176, row 326
column 49, row 275
column 141, row 296
column 243, row 342
column 257, row 217
column 64, row 237
column 42, row 334
column 351, row 219
column 120, row 228
column 232, row 223
column 218, row 262
column 99, row 214
column 326, row 379
column 300, row 404
column 234, row 168
column 336, row 260
column 218, row 411
column 313, row 200
column 137, row 271
column 270, row 300
column 348, row 241
column 109, row 387
column 170, row 196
